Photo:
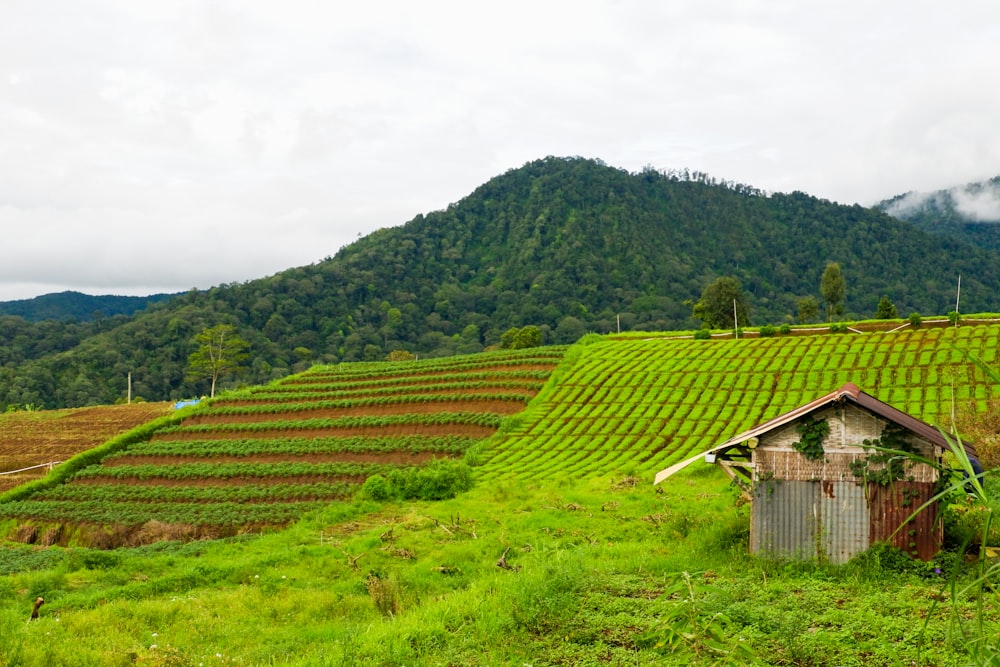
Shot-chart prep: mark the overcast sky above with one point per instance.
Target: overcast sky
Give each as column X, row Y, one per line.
column 150, row 146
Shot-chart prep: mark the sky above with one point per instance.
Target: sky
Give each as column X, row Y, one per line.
column 162, row 145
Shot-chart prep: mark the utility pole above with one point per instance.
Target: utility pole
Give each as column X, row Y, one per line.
column 736, row 322
column 130, row 387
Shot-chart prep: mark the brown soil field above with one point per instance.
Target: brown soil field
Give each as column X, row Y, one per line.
column 33, row 438
column 412, row 408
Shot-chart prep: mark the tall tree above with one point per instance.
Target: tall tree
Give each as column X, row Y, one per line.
column 721, row 301
column 808, row 309
column 221, row 351
column 833, row 289
column 886, row 309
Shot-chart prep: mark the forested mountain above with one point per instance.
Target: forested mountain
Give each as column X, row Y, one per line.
column 969, row 212
column 569, row 245
column 77, row 306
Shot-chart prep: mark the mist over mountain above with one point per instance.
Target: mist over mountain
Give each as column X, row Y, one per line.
column 570, row 245
column 968, row 212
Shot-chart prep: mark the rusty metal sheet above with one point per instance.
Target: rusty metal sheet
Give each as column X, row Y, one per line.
column 892, row 506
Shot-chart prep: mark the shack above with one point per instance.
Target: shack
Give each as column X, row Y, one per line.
column 822, row 485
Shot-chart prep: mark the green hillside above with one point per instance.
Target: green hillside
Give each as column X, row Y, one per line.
column 568, row 245
column 637, row 405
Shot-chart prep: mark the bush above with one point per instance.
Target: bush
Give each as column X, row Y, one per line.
column 702, row 334
column 767, row 331
column 915, row 320
column 838, row 327
column 377, row 488
column 438, row 480
column 785, row 329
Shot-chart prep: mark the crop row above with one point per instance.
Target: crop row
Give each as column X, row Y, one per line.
column 448, row 444
column 231, row 470
column 199, row 494
column 396, row 398
column 310, row 383
column 379, row 421
column 136, row 513
column 489, row 360
column 293, row 393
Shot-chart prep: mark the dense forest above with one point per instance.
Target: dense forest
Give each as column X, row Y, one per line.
column 569, row 245
column 77, row 306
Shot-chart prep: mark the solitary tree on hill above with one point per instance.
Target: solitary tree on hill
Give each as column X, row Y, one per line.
column 886, row 309
column 721, row 304
column 832, row 287
column 221, row 351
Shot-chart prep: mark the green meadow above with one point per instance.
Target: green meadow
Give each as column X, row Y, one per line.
column 562, row 552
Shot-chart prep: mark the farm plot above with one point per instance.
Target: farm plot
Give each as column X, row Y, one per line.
column 30, row 439
column 263, row 456
column 636, row 406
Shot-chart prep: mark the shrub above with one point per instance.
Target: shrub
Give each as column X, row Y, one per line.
column 377, row 488
column 915, row 319
column 767, row 331
column 702, row 334
column 785, row 329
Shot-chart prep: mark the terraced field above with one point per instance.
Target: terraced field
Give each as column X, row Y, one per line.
column 636, row 406
column 265, row 456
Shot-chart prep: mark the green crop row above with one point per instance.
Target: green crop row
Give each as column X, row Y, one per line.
column 395, row 398
column 449, row 444
column 230, row 470
column 489, row 420
column 303, row 382
column 136, row 513
column 194, row 494
column 291, row 393
column 497, row 359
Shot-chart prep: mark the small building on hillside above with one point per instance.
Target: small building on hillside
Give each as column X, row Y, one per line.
column 822, row 486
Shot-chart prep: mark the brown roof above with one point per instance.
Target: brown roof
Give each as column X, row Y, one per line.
column 851, row 394
column 848, row 393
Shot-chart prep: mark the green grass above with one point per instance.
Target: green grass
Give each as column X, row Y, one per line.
column 593, row 579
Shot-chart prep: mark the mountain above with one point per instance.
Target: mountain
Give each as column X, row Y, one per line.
column 970, row 212
column 566, row 244
column 77, row 306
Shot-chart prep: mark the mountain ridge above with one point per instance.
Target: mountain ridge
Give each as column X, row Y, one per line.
column 570, row 245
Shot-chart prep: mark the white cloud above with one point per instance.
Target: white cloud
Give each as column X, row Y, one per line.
column 190, row 143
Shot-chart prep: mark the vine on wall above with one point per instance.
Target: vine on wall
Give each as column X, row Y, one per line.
column 812, row 433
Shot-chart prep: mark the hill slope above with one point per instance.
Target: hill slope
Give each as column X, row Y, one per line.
column 613, row 407
column 569, row 245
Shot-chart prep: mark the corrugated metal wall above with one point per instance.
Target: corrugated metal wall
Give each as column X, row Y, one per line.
column 794, row 519
column 891, row 506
